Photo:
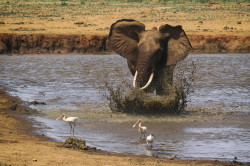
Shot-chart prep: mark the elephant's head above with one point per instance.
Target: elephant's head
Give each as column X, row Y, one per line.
column 148, row 51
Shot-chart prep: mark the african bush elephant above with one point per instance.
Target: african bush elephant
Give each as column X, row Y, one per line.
column 151, row 54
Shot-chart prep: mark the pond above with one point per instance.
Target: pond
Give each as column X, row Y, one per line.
column 216, row 124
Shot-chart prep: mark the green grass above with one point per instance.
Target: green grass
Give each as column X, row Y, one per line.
column 4, row 164
column 145, row 10
column 54, row 7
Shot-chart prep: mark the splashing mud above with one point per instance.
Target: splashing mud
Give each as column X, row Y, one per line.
column 136, row 101
column 126, row 99
column 139, row 102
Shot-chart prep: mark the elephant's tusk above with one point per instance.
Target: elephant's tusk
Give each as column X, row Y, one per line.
column 148, row 83
column 134, row 84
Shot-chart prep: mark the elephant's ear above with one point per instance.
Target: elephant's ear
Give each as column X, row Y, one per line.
column 123, row 36
column 178, row 45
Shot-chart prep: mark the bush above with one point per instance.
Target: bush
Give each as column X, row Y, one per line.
column 78, row 144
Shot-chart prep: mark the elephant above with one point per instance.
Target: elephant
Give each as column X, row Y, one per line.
column 151, row 54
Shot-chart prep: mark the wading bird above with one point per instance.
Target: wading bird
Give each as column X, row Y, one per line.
column 150, row 140
column 142, row 129
column 71, row 121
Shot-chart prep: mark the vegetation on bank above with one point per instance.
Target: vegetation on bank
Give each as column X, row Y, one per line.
column 87, row 16
column 3, row 164
column 75, row 143
column 75, row 8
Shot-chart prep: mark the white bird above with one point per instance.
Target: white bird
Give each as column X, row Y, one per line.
column 141, row 129
column 71, row 121
column 150, row 140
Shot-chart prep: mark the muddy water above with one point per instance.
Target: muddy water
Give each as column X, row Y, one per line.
column 216, row 124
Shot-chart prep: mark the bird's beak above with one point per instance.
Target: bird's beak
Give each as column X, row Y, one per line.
column 59, row 117
column 136, row 123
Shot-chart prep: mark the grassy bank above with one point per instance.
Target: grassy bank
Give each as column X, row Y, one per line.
column 68, row 26
column 95, row 17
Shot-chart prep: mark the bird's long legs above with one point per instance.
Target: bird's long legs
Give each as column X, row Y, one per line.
column 72, row 128
column 149, row 145
column 144, row 136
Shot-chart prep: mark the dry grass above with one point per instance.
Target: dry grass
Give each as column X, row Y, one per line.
column 62, row 16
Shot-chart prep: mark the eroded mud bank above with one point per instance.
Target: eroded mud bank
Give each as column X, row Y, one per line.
column 48, row 43
column 53, row 43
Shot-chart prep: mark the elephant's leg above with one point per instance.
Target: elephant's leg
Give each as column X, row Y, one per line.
column 165, row 80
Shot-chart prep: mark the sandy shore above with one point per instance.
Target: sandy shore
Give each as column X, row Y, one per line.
column 19, row 145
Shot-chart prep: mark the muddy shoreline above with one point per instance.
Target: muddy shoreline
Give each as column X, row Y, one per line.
column 19, row 132
column 21, row 144
column 83, row 44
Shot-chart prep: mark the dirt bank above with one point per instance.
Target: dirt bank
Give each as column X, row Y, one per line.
column 220, row 44
column 48, row 43
column 22, row 147
column 82, row 26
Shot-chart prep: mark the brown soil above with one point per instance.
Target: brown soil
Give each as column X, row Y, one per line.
column 50, row 44
column 56, row 26
column 19, row 146
column 54, row 44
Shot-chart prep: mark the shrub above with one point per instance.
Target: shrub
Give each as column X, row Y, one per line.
column 78, row 144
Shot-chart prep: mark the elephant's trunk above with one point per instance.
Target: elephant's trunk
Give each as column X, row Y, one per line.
column 147, row 84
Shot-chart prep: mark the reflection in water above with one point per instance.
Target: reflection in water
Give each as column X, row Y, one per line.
column 74, row 85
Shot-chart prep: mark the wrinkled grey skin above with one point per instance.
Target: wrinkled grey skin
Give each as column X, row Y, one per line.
column 149, row 51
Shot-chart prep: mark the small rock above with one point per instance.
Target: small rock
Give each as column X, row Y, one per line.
column 37, row 103
column 13, row 107
column 238, row 22
column 79, row 23
column 201, row 22
column 173, row 157
column 19, row 23
column 34, row 159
